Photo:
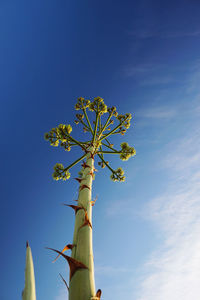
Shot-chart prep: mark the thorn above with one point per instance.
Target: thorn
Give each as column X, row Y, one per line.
column 87, row 221
column 27, row 244
column 67, row 247
column 91, row 173
column 98, row 293
column 92, row 155
column 84, row 165
column 64, row 281
column 75, row 207
column 93, row 201
column 95, row 170
column 84, row 186
column 74, row 264
column 78, row 179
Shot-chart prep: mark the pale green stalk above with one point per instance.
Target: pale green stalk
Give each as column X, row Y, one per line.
column 81, row 263
column 82, row 284
column 29, row 289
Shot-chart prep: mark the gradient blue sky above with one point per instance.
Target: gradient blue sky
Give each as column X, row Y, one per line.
column 144, row 58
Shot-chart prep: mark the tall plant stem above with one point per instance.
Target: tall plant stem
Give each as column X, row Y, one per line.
column 82, row 284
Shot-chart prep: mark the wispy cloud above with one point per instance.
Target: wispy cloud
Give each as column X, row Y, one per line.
column 117, row 208
column 185, row 160
column 62, row 294
column 194, row 78
column 157, row 113
column 141, row 69
column 110, row 270
column 163, row 80
column 149, row 74
column 146, row 34
column 172, row 272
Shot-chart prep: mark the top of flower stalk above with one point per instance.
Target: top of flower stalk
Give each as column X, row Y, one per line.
column 82, row 103
column 29, row 292
column 98, row 106
column 100, row 135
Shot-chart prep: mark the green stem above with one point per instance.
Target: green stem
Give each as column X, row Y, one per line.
column 110, row 147
column 88, row 121
column 101, row 157
column 100, row 123
column 76, row 142
column 96, row 125
column 104, row 127
column 75, row 162
column 101, row 150
column 112, row 131
column 108, row 141
column 116, row 132
column 85, row 124
column 110, row 152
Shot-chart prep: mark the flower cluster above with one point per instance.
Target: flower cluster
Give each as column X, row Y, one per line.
column 82, row 103
column 60, row 173
column 102, row 164
column 127, row 151
column 85, row 129
column 52, row 137
column 98, row 105
column 125, row 120
column 59, row 134
column 63, row 130
column 118, row 175
column 113, row 111
column 79, row 118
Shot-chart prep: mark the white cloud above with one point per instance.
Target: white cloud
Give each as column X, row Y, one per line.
column 149, row 74
column 194, row 78
column 141, row 69
column 157, row 113
column 162, row 80
column 173, row 270
column 62, row 294
column 117, row 208
column 110, row 270
column 183, row 156
column 146, row 34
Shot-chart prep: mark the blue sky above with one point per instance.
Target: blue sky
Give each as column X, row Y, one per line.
column 142, row 57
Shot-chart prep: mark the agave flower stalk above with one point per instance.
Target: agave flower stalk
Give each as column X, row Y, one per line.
column 29, row 289
column 81, row 262
column 83, row 251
